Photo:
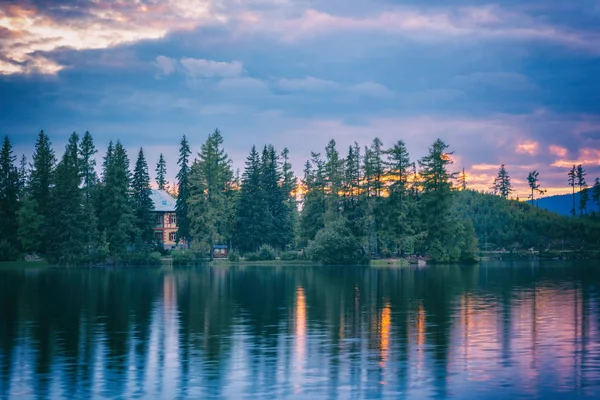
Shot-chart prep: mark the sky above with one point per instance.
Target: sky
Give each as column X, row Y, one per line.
column 510, row 82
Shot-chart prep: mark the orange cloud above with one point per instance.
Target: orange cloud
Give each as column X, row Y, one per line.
column 586, row 157
column 527, row 147
column 108, row 25
column 558, row 150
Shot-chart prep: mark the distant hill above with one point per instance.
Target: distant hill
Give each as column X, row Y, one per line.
column 511, row 224
column 563, row 203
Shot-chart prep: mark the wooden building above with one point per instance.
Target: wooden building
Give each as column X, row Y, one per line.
column 165, row 229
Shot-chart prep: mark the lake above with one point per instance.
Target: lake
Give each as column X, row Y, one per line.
column 494, row 330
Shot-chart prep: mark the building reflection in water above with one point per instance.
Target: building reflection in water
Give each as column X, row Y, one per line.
column 233, row 332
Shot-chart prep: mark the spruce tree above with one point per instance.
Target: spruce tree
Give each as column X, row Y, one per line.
column 141, row 200
column 314, row 204
column 462, row 180
column 437, row 192
column 161, row 173
column 9, row 202
column 596, row 192
column 396, row 225
column 282, row 232
column 89, row 178
column 67, row 220
column 289, row 185
column 502, row 184
column 333, row 181
column 354, row 204
column 583, row 194
column 116, row 211
column 572, row 174
column 183, row 192
column 41, row 180
column 252, row 207
column 211, row 189
column 23, row 176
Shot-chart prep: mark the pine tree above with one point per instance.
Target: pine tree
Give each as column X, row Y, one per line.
column 9, row 202
column 374, row 185
column 252, row 207
column 272, row 182
column 583, row 194
column 314, row 204
column 502, row 184
column 161, row 173
column 23, row 176
column 289, row 185
column 211, row 179
column 398, row 169
column 87, row 166
column 87, row 151
column 596, row 192
column 116, row 211
column 354, row 204
column 437, row 192
column 183, row 192
column 462, row 180
column 41, row 180
column 141, row 200
column 572, row 182
column 534, row 185
column 333, row 181
column 67, row 223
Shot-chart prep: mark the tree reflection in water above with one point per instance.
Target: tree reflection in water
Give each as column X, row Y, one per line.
column 311, row 332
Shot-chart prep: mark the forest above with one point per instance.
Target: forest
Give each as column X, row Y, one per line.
column 347, row 208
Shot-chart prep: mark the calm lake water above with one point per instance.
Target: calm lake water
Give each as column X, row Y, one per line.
column 498, row 330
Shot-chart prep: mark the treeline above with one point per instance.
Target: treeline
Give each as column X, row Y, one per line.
column 347, row 208
column 61, row 209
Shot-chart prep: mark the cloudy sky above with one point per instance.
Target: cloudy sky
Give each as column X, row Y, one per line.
column 514, row 82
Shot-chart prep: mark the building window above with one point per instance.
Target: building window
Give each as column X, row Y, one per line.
column 172, row 236
column 173, row 219
column 159, row 220
column 158, row 236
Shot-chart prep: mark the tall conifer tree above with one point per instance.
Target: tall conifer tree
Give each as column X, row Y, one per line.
column 183, row 192
column 9, row 204
column 209, row 204
column 252, row 210
column 161, row 173
column 41, row 180
column 572, row 174
column 141, row 200
column 583, row 194
column 502, row 183
column 67, row 223
column 116, row 211
column 437, row 191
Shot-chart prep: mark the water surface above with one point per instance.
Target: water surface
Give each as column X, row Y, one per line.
column 504, row 330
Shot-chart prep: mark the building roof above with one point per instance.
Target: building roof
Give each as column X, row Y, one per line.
column 163, row 201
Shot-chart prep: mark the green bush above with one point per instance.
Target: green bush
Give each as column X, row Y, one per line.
column 155, row 258
column 438, row 253
column 252, row 257
column 187, row 257
column 335, row 244
column 266, row 253
column 288, row 256
column 233, row 256
column 139, row 258
column 7, row 251
column 386, row 253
